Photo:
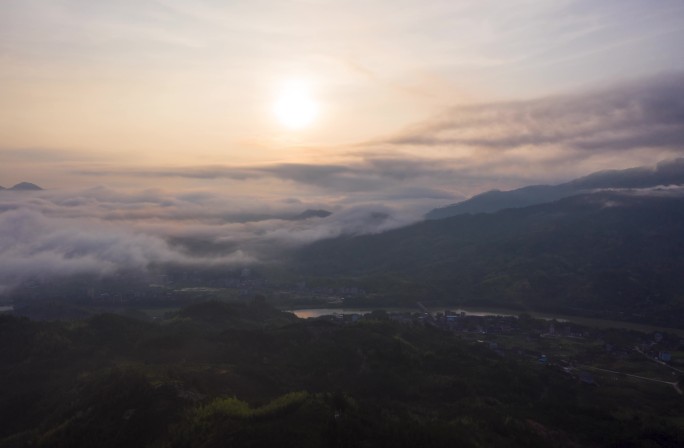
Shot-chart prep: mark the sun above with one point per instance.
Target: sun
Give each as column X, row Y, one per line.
column 295, row 107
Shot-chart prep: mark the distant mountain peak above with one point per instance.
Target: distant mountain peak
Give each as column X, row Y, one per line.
column 25, row 186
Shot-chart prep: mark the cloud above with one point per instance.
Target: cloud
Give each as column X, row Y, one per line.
column 366, row 174
column 637, row 115
column 35, row 244
column 315, row 174
column 102, row 231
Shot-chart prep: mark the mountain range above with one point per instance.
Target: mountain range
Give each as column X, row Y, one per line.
column 617, row 254
column 665, row 173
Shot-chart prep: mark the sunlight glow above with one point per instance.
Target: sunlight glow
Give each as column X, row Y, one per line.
column 295, row 107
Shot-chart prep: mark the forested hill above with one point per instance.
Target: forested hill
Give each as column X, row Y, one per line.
column 604, row 254
column 245, row 375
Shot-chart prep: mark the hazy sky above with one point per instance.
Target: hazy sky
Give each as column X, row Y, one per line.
column 137, row 93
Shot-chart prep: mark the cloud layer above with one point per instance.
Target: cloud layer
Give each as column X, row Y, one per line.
column 635, row 122
column 643, row 114
column 100, row 231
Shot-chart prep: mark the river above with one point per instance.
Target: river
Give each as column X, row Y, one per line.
column 318, row 312
column 586, row 321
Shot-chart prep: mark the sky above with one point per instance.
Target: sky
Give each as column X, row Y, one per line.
column 138, row 113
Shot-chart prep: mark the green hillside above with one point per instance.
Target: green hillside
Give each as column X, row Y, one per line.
column 256, row 377
column 604, row 254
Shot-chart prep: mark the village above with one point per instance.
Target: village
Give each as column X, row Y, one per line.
column 592, row 356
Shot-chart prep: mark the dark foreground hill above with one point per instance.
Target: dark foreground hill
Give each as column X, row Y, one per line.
column 665, row 173
column 604, row 254
column 218, row 375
